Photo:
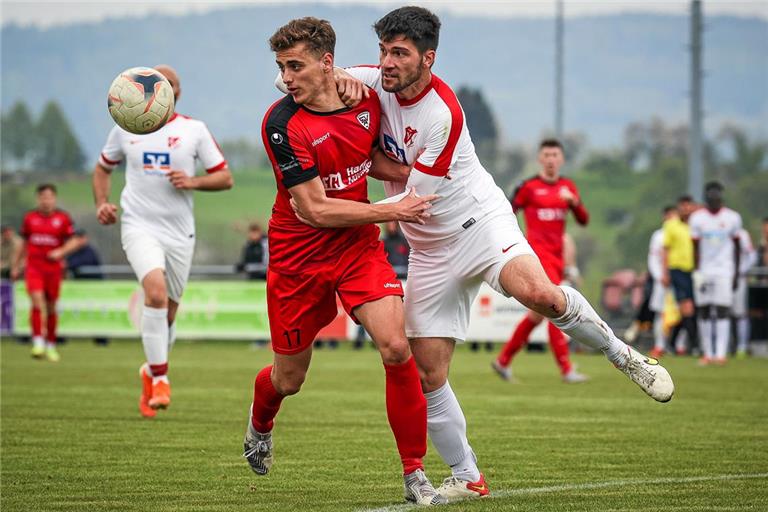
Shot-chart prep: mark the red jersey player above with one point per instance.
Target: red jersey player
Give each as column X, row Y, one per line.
column 47, row 233
column 321, row 155
column 545, row 201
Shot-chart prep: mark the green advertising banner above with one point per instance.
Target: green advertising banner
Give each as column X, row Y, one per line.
column 208, row 310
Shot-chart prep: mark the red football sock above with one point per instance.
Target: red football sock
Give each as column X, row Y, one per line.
column 516, row 342
column 558, row 343
column 407, row 413
column 266, row 401
column 50, row 323
column 158, row 370
column 36, row 321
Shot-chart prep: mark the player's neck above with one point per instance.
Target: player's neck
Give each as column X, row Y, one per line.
column 416, row 87
column 326, row 100
column 549, row 179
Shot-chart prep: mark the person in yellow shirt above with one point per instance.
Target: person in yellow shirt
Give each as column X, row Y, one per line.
column 678, row 264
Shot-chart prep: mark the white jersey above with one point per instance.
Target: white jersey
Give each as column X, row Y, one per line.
column 430, row 134
column 716, row 234
column 149, row 201
column 655, row 254
column 748, row 254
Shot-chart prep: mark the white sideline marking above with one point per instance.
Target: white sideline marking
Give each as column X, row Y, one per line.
column 585, row 486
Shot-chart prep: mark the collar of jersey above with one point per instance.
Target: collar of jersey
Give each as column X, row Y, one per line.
column 417, row 98
column 331, row 113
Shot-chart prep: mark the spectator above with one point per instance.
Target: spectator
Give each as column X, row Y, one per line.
column 255, row 254
column 11, row 246
column 85, row 263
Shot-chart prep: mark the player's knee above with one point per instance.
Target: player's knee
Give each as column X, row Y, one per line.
column 432, row 378
column 541, row 298
column 288, row 383
column 394, row 350
column 155, row 296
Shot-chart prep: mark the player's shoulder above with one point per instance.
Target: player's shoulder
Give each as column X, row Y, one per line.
column 187, row 122
column 29, row 214
column 446, row 98
column 524, row 183
column 568, row 182
column 280, row 113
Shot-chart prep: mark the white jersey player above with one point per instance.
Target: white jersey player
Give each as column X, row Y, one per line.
column 715, row 231
column 472, row 236
column 158, row 228
column 747, row 260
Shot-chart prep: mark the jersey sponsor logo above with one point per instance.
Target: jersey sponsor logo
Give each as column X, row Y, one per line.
column 173, row 141
column 290, row 164
column 43, row 239
column 550, row 214
column 156, row 164
column 276, row 138
column 395, row 151
column 364, row 118
column 321, row 139
column 410, row 133
column 341, row 180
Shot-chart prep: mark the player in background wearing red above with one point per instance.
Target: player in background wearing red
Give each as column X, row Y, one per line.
column 545, row 201
column 321, row 153
column 48, row 239
column 157, row 225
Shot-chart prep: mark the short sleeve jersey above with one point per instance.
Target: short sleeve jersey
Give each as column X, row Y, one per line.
column 336, row 147
column 545, row 213
column 43, row 233
column 430, row 134
column 655, row 254
column 716, row 233
column 149, row 201
column 748, row 256
column 678, row 243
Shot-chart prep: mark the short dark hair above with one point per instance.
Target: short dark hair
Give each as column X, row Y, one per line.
column 316, row 33
column 713, row 185
column 46, row 186
column 550, row 143
column 667, row 209
column 418, row 24
column 685, row 199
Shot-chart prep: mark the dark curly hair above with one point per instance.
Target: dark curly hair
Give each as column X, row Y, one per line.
column 415, row 23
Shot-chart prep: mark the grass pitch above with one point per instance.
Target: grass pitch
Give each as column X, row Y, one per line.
column 72, row 438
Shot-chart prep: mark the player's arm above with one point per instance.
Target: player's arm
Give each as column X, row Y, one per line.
column 17, row 261
column 571, row 196
column 384, row 168
column 219, row 180
column 666, row 242
column 313, row 207
column 73, row 243
column 106, row 212
column 352, row 84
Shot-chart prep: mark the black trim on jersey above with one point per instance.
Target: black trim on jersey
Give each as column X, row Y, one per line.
column 518, row 187
column 331, row 113
column 276, row 129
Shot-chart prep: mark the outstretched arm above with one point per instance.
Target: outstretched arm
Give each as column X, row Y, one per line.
column 218, row 180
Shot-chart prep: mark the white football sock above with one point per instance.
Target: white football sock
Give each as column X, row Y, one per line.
column 681, row 341
column 705, row 335
column 658, row 333
column 583, row 324
column 171, row 336
column 38, row 342
column 448, row 431
column 742, row 333
column 154, row 334
column 722, row 337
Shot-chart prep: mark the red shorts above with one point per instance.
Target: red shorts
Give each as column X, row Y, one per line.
column 553, row 266
column 46, row 280
column 301, row 304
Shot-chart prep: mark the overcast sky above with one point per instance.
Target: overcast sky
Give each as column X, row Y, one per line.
column 60, row 12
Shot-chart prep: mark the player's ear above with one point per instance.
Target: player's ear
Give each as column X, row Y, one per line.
column 327, row 62
column 428, row 58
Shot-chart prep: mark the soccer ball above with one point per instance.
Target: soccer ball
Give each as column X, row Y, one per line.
column 140, row 100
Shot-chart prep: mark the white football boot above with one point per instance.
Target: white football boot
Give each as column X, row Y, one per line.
column 419, row 490
column 456, row 489
column 647, row 373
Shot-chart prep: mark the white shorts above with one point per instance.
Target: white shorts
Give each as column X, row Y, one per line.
column 658, row 293
column 444, row 281
column 709, row 290
column 739, row 306
column 147, row 252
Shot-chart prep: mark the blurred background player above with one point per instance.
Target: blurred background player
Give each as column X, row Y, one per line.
column 9, row 250
column 715, row 233
column 657, row 293
column 678, row 263
column 321, row 184
column 255, row 254
column 545, row 201
column 157, row 225
column 47, row 233
column 747, row 260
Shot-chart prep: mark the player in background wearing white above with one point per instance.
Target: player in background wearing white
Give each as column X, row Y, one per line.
column 158, row 225
column 715, row 233
column 471, row 237
column 747, row 260
column 658, row 290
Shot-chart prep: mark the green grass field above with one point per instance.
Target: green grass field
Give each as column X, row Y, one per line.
column 72, row 438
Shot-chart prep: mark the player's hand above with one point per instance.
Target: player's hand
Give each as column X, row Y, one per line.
column 413, row 208
column 55, row 254
column 665, row 280
column 350, row 89
column 299, row 215
column 15, row 273
column 106, row 213
column 181, row 181
column 568, row 196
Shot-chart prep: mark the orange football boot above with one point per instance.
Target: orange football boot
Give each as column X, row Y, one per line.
column 161, row 395
column 146, row 393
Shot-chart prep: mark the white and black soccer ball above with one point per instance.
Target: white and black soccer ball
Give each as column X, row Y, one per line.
column 140, row 100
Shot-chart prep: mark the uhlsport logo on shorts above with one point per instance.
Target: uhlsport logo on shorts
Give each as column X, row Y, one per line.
column 156, row 164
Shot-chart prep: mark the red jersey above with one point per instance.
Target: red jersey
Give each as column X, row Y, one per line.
column 545, row 213
column 43, row 233
column 336, row 146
